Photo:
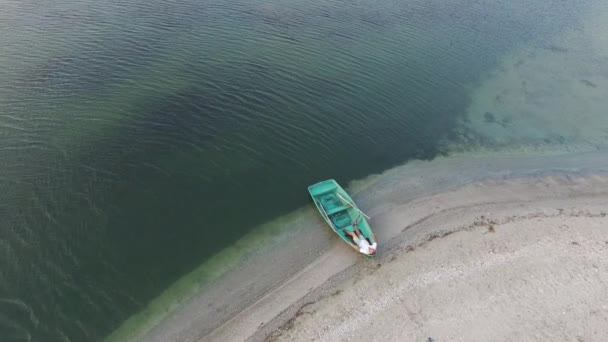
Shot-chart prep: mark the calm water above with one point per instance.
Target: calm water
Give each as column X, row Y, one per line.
column 137, row 138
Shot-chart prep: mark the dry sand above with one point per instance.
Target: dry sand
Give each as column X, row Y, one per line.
column 534, row 272
column 517, row 256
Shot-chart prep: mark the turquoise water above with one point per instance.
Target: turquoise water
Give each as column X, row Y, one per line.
column 138, row 139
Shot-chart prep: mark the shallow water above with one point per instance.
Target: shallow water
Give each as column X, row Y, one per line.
column 140, row 138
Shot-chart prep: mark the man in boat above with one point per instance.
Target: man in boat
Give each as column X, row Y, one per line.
column 364, row 246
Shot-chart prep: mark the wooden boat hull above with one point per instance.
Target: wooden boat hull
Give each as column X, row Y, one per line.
column 339, row 211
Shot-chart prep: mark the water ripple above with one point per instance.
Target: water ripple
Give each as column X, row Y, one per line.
column 130, row 128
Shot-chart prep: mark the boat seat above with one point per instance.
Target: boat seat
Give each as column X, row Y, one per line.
column 341, row 220
column 336, row 210
column 332, row 204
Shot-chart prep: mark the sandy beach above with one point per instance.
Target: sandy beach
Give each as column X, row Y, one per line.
column 515, row 271
column 472, row 247
column 506, row 255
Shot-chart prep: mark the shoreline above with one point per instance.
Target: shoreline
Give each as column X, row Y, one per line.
column 309, row 263
column 518, row 126
column 491, row 204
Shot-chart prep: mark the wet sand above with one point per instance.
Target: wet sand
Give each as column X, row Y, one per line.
column 486, row 252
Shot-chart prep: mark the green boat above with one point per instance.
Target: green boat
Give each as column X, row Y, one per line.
column 342, row 215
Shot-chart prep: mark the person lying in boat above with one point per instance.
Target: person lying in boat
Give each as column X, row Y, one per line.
column 364, row 246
